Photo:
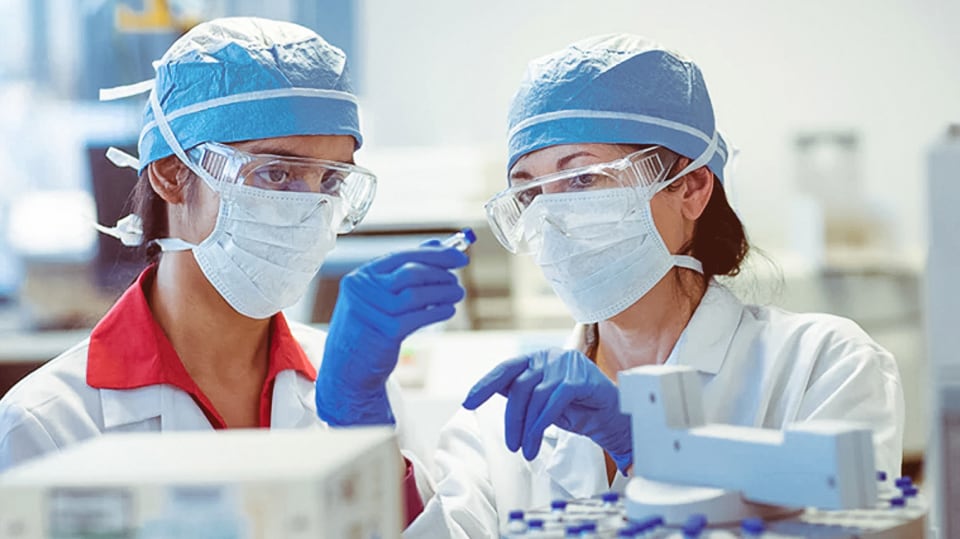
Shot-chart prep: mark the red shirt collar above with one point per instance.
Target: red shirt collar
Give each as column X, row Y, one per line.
column 128, row 350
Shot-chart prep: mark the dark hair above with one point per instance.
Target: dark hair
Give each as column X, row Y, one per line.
column 152, row 210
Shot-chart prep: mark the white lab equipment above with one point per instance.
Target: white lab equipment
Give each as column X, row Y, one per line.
column 943, row 304
column 693, row 479
column 231, row 485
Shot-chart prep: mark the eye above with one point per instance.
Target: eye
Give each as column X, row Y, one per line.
column 273, row 177
column 584, row 181
column 527, row 196
column 332, row 182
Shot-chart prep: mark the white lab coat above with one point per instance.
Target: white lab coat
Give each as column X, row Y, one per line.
column 760, row 366
column 53, row 407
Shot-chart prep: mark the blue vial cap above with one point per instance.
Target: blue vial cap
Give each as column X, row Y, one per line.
column 588, row 527
column 558, row 505
column 752, row 525
column 610, row 497
column 898, row 502
column 903, row 482
column 573, row 531
column 469, row 235
column 516, row 515
column 628, row 532
column 695, row 524
column 535, row 524
column 910, row 492
column 881, row 475
column 648, row 523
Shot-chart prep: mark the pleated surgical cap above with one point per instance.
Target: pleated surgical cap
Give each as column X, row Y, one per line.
column 244, row 78
column 615, row 89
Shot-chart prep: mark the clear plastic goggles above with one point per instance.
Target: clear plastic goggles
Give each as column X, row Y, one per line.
column 517, row 214
column 354, row 186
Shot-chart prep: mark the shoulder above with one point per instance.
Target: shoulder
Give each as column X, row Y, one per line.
column 35, row 413
column 827, row 330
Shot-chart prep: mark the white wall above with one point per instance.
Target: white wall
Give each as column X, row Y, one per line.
column 443, row 72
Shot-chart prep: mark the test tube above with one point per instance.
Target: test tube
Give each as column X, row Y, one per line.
column 461, row 240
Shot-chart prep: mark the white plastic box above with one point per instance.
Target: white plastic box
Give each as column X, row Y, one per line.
column 244, row 484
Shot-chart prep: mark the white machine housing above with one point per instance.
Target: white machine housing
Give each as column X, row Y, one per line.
column 684, row 466
column 233, row 484
column 943, row 336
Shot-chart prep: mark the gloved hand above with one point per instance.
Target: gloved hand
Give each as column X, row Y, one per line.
column 379, row 304
column 559, row 387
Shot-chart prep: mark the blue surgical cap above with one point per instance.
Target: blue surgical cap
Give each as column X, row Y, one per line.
column 615, row 89
column 245, row 78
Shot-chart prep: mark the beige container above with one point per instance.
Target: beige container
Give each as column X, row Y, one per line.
column 243, row 484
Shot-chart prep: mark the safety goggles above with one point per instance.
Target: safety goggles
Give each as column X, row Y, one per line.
column 354, row 186
column 568, row 199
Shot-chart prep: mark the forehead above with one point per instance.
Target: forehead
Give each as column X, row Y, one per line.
column 329, row 147
column 553, row 158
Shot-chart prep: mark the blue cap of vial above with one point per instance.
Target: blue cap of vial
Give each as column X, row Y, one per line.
column 881, row 475
column 535, row 524
column 588, row 527
column 695, row 524
column 902, row 482
column 573, row 531
column 910, row 492
column 897, row 502
column 752, row 525
column 610, row 497
column 628, row 532
column 470, row 235
column 516, row 515
column 648, row 523
column 559, row 505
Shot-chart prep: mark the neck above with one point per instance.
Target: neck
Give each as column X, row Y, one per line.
column 647, row 331
column 212, row 339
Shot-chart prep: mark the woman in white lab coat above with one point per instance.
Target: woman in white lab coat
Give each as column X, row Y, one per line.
column 616, row 190
column 246, row 177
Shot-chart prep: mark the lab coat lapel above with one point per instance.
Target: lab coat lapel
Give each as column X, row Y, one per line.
column 150, row 408
column 575, row 464
column 293, row 402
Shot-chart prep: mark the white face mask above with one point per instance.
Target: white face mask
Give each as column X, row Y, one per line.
column 265, row 248
column 600, row 277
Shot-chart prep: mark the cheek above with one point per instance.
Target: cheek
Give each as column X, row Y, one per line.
column 202, row 212
column 669, row 221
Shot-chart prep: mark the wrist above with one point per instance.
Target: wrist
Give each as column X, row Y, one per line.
column 339, row 407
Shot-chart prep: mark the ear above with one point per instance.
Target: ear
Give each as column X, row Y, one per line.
column 695, row 192
column 169, row 177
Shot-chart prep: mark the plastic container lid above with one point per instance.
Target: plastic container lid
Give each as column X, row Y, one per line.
column 558, row 504
column 535, row 523
column 752, row 525
column 516, row 515
column 903, row 482
column 610, row 497
column 695, row 524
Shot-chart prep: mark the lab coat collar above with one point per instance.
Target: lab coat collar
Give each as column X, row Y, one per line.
column 704, row 343
column 130, row 358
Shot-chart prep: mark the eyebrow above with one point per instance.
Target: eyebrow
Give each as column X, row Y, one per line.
column 267, row 148
column 561, row 163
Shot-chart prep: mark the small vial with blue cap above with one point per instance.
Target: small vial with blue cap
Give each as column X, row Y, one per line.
column 461, row 240
column 752, row 527
column 588, row 530
column 573, row 531
column 694, row 526
column 516, row 525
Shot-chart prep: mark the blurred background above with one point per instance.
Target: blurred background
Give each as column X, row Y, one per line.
column 834, row 107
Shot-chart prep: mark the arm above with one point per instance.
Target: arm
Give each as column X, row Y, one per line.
column 464, row 504
column 854, row 379
column 22, row 437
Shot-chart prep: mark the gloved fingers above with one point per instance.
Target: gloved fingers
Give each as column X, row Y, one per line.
column 411, row 274
column 414, row 320
column 518, row 396
column 440, row 257
column 432, row 242
column 422, row 297
column 496, row 381
column 556, row 405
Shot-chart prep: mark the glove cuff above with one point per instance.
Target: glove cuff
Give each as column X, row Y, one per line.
column 338, row 408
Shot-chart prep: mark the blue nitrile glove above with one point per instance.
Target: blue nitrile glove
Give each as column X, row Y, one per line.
column 379, row 304
column 559, row 387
